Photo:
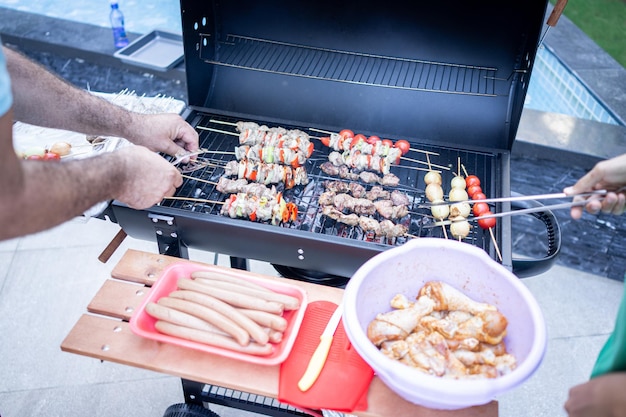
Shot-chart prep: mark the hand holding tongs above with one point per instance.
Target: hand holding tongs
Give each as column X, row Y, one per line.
column 568, row 204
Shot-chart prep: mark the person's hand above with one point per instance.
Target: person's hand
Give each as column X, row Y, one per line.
column 146, row 178
column 600, row 397
column 606, row 175
column 166, row 132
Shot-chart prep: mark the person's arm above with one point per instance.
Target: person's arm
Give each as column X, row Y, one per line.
column 41, row 98
column 36, row 195
column 608, row 175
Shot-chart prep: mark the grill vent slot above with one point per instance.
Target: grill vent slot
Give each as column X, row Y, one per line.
column 348, row 67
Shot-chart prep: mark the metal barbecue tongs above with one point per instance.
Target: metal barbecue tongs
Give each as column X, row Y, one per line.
column 538, row 208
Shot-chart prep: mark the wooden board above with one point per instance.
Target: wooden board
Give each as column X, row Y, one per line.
column 104, row 334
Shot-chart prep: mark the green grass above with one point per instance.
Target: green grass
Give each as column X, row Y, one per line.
column 604, row 21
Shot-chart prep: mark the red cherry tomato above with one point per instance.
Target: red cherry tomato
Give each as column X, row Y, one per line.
column 35, row 157
column 479, row 196
column 346, row 133
column 325, row 141
column 480, row 208
column 372, row 139
column 472, row 180
column 403, row 145
column 487, row 223
column 387, row 142
column 473, row 190
column 51, row 156
column 359, row 137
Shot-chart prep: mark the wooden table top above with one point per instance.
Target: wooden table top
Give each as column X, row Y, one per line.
column 104, row 333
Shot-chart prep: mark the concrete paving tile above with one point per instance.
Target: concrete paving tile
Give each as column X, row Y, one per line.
column 568, row 362
column 5, row 263
column 9, row 245
column 148, row 397
column 42, row 299
column 575, row 303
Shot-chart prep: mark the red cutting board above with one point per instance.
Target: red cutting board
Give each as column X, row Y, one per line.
column 345, row 378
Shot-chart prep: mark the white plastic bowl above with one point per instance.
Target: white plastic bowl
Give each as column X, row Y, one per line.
column 405, row 269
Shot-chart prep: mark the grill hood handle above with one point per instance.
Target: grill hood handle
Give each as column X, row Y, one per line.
column 524, row 268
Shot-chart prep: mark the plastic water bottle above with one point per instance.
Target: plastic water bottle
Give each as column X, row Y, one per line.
column 117, row 24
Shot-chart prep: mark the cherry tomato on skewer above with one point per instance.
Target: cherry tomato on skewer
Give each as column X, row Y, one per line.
column 472, row 180
column 473, row 190
column 403, row 145
column 387, row 142
column 480, row 208
column 487, row 223
column 346, row 133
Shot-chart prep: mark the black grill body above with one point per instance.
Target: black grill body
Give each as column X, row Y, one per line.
column 449, row 77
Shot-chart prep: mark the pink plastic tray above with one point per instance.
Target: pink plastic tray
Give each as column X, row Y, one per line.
column 142, row 324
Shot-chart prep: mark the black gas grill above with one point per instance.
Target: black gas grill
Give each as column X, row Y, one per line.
column 449, row 77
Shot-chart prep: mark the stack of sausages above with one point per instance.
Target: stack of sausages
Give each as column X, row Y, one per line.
column 224, row 311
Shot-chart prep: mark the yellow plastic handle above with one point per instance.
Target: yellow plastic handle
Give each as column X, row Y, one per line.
column 316, row 363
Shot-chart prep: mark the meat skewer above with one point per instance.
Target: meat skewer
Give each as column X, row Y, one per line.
column 345, row 172
column 271, row 154
column 360, row 161
column 412, row 149
column 229, row 186
column 385, row 227
column 267, row 173
column 275, row 210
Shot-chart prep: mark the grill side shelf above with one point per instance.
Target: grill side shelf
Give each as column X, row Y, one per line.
column 348, row 67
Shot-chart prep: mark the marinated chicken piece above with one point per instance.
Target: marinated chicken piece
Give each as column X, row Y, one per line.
column 346, row 173
column 449, row 298
column 377, row 193
column 400, row 301
column 329, row 169
column 390, row 180
column 337, row 186
column 399, row 323
column 326, row 198
column 390, row 229
column 396, row 349
column 333, row 213
column 356, row 189
column 353, row 188
column 369, row 177
column 444, row 333
column 369, row 224
column 355, row 205
column 399, row 198
column 387, row 210
column 228, row 186
column 486, row 326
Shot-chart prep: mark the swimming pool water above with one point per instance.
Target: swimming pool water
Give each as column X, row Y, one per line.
column 552, row 88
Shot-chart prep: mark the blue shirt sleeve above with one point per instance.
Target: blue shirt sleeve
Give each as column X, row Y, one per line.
column 6, row 98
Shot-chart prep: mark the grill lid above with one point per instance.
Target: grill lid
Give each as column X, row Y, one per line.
column 452, row 72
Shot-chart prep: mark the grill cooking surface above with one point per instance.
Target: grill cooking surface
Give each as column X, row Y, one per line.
column 219, row 136
column 352, row 67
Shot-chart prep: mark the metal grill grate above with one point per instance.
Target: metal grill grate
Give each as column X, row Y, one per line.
column 348, row 67
column 198, row 193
